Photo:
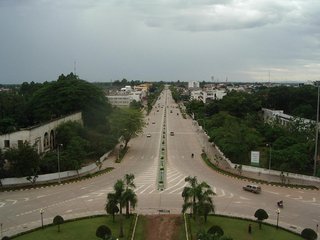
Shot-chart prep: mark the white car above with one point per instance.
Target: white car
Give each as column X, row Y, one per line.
column 148, row 135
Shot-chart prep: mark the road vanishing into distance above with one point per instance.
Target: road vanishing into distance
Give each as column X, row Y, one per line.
column 20, row 210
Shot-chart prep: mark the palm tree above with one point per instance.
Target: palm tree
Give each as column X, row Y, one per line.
column 118, row 192
column 189, row 195
column 197, row 197
column 111, row 206
column 130, row 198
column 205, row 204
column 128, row 179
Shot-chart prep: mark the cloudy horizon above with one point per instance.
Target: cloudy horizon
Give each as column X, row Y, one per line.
column 169, row 40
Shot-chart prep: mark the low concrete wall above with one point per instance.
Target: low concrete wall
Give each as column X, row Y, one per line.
column 208, row 146
column 54, row 177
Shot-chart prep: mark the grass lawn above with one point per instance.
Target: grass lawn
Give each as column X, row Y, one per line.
column 140, row 228
column 82, row 229
column 238, row 229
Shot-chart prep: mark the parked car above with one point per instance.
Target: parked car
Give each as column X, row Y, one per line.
column 252, row 188
column 148, row 135
column 171, row 133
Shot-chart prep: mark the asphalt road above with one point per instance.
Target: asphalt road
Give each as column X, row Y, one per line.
column 20, row 210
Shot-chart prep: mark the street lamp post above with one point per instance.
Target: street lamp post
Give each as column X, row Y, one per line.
column 269, row 145
column 278, row 212
column 59, row 145
column 41, row 213
column 317, row 132
column 1, row 230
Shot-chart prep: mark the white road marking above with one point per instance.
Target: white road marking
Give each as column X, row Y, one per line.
column 90, row 200
column 276, row 193
column 178, row 188
column 244, row 198
column 2, row 204
column 152, row 191
column 231, row 195
column 173, row 185
column 41, row 196
column 69, row 211
column 100, row 194
column 175, row 178
column 13, row 201
column 223, row 193
column 26, row 199
column 137, row 189
column 83, row 188
column 84, row 196
column 146, row 188
column 298, row 198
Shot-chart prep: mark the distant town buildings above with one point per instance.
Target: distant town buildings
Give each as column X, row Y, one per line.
column 127, row 94
column 42, row 137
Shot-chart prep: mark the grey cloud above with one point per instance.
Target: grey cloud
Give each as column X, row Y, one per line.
column 213, row 15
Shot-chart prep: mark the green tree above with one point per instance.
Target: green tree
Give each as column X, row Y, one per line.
column 111, row 206
column 119, row 189
column 67, row 95
column 57, row 220
column 261, row 215
column 130, row 197
column 24, row 160
column 135, row 105
column 309, row 234
column 127, row 123
column 2, row 170
column 197, row 197
column 103, row 232
column 216, row 231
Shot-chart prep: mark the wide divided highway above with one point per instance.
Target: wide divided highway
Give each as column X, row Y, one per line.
column 20, row 210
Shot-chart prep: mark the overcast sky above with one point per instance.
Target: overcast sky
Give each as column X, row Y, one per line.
column 153, row 40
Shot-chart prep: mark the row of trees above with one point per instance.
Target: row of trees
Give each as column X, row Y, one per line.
column 35, row 103
column 78, row 144
column 236, row 125
column 122, row 197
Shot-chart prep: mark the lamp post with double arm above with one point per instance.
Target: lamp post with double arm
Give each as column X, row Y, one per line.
column 269, row 145
column 41, row 214
column 278, row 213
column 59, row 145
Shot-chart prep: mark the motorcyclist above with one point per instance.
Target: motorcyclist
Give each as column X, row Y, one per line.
column 280, row 203
column 192, row 155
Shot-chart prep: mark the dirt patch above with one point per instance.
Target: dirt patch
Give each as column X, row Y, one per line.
column 163, row 227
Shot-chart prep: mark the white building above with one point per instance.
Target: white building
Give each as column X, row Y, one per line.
column 124, row 99
column 126, row 89
column 204, row 96
column 277, row 116
column 193, row 84
column 42, row 137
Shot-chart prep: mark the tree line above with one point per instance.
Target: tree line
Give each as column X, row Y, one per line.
column 103, row 125
column 235, row 123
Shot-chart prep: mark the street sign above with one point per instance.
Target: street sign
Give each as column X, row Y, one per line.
column 255, row 157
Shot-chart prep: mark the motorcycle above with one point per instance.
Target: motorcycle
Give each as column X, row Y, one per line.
column 192, row 155
column 280, row 204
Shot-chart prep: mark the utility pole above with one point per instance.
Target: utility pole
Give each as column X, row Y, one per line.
column 317, row 133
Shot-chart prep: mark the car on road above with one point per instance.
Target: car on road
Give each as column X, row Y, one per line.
column 252, row 188
column 153, row 122
column 148, row 135
column 171, row 133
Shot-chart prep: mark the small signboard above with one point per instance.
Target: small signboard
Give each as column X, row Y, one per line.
column 255, row 157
